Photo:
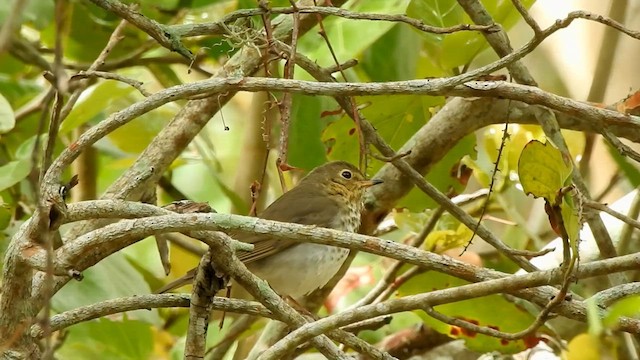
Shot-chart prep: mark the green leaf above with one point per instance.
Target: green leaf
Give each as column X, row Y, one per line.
column 7, row 118
column 571, row 220
column 107, row 339
column 396, row 118
column 346, row 36
column 111, row 278
column 102, row 96
column 542, row 170
column 459, row 48
column 630, row 171
column 409, row 221
column 25, row 150
column 13, row 172
column 394, row 56
column 134, row 136
column 305, row 145
column 629, row 307
column 6, row 211
column 480, row 311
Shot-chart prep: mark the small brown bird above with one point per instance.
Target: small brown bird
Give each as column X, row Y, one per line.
column 330, row 196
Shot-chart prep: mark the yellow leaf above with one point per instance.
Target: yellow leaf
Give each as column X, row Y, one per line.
column 542, row 170
column 587, row 347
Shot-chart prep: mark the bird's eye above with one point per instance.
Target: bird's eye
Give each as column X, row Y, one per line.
column 346, row 174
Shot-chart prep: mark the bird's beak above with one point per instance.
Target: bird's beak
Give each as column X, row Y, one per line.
column 369, row 183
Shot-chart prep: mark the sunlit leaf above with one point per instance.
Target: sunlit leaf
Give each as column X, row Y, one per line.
column 542, row 170
column 345, row 35
column 7, row 118
column 629, row 307
column 106, row 339
column 394, row 56
column 5, row 214
column 305, row 145
column 459, row 48
column 571, row 219
column 440, row 240
column 409, row 221
column 99, row 98
column 584, row 347
column 111, row 278
column 13, row 172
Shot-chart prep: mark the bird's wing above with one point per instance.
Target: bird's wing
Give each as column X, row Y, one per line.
column 309, row 210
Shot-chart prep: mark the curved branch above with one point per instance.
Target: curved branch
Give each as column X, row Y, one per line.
column 138, row 302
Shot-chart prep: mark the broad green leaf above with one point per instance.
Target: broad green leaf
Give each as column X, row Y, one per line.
column 13, row 172
column 439, row 241
column 542, row 170
column 441, row 176
column 394, row 56
column 409, row 221
column 629, row 307
column 107, row 339
column 161, row 4
column 134, row 136
column 396, row 119
column 480, row 311
column 346, row 36
column 631, row 173
column 459, row 48
column 25, row 150
column 305, row 145
column 7, row 118
column 111, row 278
column 518, row 137
column 101, row 96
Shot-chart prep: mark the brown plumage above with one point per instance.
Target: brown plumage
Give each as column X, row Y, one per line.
column 330, row 196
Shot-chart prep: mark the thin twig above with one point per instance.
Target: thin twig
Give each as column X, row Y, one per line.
column 218, row 28
column 112, row 76
column 527, row 17
column 163, row 34
column 600, row 207
column 494, row 176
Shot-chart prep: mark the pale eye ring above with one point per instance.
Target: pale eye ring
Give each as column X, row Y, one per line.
column 346, row 174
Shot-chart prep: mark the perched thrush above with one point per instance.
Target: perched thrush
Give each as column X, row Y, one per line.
column 330, row 196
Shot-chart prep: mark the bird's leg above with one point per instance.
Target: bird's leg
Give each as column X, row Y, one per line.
column 300, row 308
column 224, row 313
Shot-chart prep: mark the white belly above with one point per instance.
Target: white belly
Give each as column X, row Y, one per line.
column 301, row 268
